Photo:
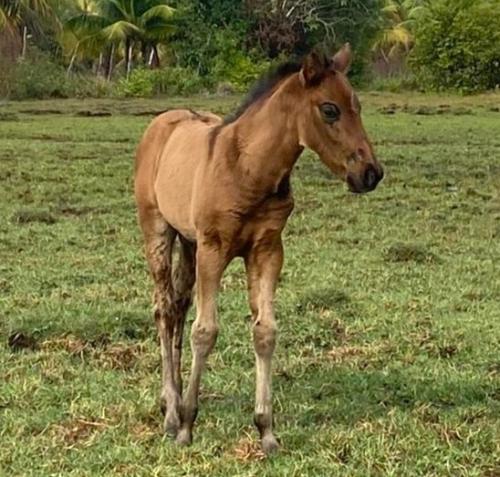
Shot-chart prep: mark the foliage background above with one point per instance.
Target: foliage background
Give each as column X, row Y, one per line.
column 65, row 48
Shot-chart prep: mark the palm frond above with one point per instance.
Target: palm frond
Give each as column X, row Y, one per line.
column 158, row 29
column 116, row 9
column 86, row 23
column 163, row 12
column 120, row 31
column 3, row 19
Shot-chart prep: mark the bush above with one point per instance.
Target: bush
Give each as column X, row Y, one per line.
column 394, row 84
column 458, row 45
column 239, row 71
column 178, row 81
column 170, row 81
column 38, row 77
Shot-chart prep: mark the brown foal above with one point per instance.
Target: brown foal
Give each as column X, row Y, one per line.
column 222, row 189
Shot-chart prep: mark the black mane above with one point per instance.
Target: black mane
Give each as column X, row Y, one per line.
column 263, row 86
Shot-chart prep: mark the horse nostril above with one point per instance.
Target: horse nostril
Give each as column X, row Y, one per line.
column 370, row 179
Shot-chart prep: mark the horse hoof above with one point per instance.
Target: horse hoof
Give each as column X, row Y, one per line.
column 184, row 437
column 270, row 444
column 171, row 425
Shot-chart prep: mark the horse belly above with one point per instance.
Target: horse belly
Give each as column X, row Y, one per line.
column 178, row 165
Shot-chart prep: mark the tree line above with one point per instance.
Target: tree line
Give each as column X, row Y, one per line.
column 432, row 43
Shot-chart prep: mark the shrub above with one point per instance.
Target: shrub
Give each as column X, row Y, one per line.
column 395, row 83
column 170, row 81
column 38, row 77
column 458, row 45
column 140, row 83
column 178, row 81
column 238, row 70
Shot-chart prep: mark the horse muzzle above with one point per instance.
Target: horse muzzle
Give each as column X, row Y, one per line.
column 366, row 181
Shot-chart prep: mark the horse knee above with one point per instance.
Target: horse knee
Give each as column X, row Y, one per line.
column 264, row 337
column 203, row 337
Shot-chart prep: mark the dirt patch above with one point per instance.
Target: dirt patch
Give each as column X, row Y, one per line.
column 50, row 137
column 247, row 449
column 401, row 252
column 149, row 112
column 93, row 114
column 120, row 356
column 389, row 109
column 71, row 345
column 21, row 341
column 141, row 431
column 78, row 211
column 345, row 353
column 425, row 110
column 326, row 299
column 332, row 299
column 78, row 432
column 447, row 351
column 447, row 433
column 5, row 116
column 27, row 216
column 40, row 112
column 108, row 355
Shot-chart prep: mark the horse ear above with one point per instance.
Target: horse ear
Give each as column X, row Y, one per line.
column 313, row 68
column 342, row 59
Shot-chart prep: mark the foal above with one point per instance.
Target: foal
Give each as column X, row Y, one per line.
column 223, row 189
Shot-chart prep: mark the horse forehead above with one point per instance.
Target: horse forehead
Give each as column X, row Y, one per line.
column 340, row 90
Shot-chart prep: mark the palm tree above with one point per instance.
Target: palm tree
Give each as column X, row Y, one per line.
column 82, row 33
column 398, row 21
column 21, row 14
column 125, row 23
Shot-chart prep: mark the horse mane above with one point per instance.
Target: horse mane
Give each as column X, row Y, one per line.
column 264, row 86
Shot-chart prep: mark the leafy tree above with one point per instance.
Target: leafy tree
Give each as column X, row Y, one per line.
column 22, row 15
column 457, row 45
column 398, row 19
column 129, row 24
column 210, row 31
column 295, row 26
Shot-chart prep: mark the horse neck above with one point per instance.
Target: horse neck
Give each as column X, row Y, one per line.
column 268, row 140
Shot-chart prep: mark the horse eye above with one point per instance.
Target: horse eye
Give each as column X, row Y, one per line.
column 330, row 112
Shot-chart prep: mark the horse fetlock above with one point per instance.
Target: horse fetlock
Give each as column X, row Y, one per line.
column 188, row 414
column 184, row 436
column 263, row 421
column 269, row 444
column 172, row 422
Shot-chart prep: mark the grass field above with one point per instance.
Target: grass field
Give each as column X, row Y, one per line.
column 388, row 360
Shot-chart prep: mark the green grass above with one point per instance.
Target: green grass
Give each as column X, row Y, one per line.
column 389, row 305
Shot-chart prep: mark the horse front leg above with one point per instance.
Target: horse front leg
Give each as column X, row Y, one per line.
column 210, row 263
column 263, row 264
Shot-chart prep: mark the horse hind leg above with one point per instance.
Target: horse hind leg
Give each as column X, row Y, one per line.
column 183, row 281
column 159, row 240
